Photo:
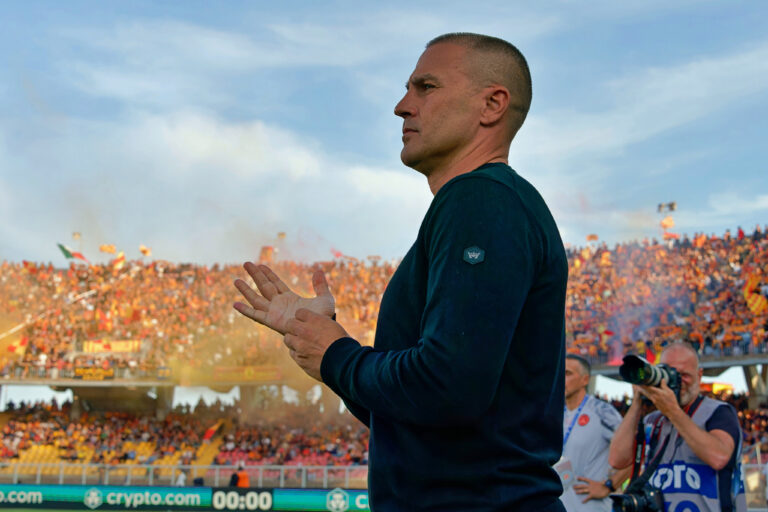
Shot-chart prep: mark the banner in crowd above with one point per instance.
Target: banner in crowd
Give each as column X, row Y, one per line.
column 95, row 346
column 247, row 374
column 99, row 497
column 86, row 373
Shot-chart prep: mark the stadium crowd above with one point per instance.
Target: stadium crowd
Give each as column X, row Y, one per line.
column 113, row 437
column 282, row 445
column 180, row 314
column 640, row 296
column 293, row 439
column 100, row 438
column 636, row 296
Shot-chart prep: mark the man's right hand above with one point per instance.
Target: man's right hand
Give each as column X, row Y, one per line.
column 274, row 304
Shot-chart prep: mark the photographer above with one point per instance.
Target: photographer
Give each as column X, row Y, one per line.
column 699, row 438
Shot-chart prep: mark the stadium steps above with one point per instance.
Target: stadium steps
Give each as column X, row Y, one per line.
column 49, row 454
column 207, row 452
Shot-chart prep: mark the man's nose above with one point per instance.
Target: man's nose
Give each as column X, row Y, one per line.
column 404, row 108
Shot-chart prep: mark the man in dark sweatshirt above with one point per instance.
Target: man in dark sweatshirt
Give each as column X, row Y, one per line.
column 463, row 388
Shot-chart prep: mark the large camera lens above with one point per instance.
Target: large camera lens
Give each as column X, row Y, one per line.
column 637, row 370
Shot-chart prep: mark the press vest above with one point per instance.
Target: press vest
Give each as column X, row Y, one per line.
column 687, row 482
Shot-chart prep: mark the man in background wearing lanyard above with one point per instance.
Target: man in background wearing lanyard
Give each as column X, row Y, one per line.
column 588, row 427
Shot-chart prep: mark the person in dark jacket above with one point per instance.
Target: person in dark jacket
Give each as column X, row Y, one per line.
column 463, row 388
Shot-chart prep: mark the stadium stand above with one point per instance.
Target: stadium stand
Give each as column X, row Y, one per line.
column 153, row 319
column 165, row 324
column 637, row 297
column 45, row 433
column 147, row 319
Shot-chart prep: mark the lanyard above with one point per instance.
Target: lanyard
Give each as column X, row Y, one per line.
column 573, row 421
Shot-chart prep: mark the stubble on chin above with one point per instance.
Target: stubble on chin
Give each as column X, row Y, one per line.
column 412, row 161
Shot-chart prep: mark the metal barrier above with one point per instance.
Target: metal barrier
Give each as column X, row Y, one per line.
column 327, row 477
column 34, row 371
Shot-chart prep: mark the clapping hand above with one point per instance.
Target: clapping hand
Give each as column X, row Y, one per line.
column 275, row 304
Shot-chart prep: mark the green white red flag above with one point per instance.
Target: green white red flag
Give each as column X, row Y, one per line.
column 70, row 254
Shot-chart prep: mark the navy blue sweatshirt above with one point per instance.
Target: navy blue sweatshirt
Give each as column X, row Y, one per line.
column 463, row 389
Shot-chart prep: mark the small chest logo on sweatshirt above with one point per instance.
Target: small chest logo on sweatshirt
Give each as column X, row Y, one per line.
column 474, row 255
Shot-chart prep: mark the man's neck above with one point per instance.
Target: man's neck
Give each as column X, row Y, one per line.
column 573, row 401
column 437, row 180
column 477, row 156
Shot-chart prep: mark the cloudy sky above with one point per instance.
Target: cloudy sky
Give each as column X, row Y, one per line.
column 202, row 129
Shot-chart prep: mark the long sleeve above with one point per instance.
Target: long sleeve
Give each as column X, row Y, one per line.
column 358, row 411
column 481, row 251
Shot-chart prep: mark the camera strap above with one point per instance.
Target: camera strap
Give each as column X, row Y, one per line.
column 639, row 448
column 638, row 483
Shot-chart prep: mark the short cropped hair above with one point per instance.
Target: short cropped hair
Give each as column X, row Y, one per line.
column 583, row 362
column 684, row 345
column 505, row 66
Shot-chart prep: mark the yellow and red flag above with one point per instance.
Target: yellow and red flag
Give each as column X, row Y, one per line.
column 118, row 262
column 756, row 302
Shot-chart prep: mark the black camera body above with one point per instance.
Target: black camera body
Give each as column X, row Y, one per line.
column 646, row 499
column 640, row 496
column 637, row 370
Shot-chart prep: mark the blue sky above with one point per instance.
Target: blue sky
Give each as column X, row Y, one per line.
column 203, row 129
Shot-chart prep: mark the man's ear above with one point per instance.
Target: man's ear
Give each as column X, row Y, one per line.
column 496, row 103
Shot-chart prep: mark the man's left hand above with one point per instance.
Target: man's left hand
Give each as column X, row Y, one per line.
column 592, row 488
column 662, row 397
column 308, row 335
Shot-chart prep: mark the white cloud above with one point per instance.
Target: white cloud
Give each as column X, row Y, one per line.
column 172, row 63
column 189, row 181
column 196, row 187
column 192, row 142
column 738, row 204
column 578, row 153
column 645, row 104
column 383, row 184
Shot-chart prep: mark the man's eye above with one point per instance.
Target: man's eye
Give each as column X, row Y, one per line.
column 428, row 86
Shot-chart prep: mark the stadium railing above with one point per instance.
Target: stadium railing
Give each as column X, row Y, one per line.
column 322, row 477
column 35, row 371
column 714, row 354
column 351, row 477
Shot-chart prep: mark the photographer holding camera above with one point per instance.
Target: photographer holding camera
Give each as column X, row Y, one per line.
column 695, row 441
